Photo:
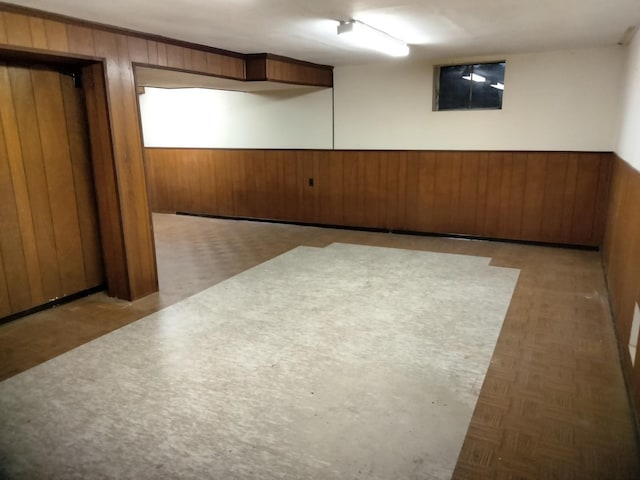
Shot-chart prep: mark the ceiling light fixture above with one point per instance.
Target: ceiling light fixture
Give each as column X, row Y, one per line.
column 475, row 77
column 365, row 36
column 498, row 86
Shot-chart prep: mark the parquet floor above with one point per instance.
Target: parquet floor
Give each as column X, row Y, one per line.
column 553, row 405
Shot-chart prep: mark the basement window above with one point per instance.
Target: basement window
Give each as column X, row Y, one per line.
column 477, row 86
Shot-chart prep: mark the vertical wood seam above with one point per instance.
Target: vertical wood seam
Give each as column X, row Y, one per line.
column 75, row 190
column 39, row 280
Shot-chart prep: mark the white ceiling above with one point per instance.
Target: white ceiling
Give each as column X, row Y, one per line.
column 306, row 29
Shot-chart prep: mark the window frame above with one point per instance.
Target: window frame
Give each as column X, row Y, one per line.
column 436, row 86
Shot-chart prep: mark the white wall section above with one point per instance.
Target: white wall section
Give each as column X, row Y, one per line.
column 566, row 100
column 628, row 144
column 204, row 118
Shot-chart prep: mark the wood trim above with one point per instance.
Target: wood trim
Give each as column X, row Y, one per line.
column 508, row 195
column 297, row 73
column 304, row 63
column 31, row 55
column 52, row 304
column 267, row 67
column 621, row 258
column 193, row 71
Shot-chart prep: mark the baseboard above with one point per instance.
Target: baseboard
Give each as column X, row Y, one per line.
column 52, row 303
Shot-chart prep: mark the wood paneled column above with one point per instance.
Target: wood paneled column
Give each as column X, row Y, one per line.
column 125, row 219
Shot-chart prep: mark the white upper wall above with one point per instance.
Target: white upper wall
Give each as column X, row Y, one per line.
column 628, row 144
column 204, row 118
column 566, row 100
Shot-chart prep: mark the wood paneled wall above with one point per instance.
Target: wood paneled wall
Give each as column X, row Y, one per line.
column 49, row 240
column 554, row 197
column 125, row 216
column 115, row 136
column 621, row 256
column 33, row 32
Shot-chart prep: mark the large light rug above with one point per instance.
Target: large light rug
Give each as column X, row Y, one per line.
column 347, row 362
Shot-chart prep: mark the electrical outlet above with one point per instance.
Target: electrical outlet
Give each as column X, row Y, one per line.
column 633, row 337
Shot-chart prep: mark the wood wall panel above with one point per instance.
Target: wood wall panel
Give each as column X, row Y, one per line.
column 504, row 217
column 46, row 191
column 478, row 227
column 80, row 40
column 293, row 187
column 556, row 173
column 621, row 256
column 425, row 207
column 17, row 96
column 601, row 208
column 493, row 191
column 468, row 181
column 568, row 202
column 276, row 180
column 516, row 194
column 455, row 168
column 329, row 178
column 5, row 301
column 442, row 182
column 371, row 189
column 15, row 270
column 586, row 195
column 267, row 67
column 533, row 196
column 284, row 70
column 402, row 167
column 138, row 50
column 389, row 169
column 3, row 29
column 353, row 194
column 553, row 197
column 61, row 197
column 18, row 30
column 240, row 198
column 38, row 33
column 56, row 33
column 80, row 155
column 411, row 192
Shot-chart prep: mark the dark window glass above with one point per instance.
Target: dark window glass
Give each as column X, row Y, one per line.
column 454, row 90
column 464, row 87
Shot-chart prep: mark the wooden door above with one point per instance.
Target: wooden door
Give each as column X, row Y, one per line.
column 49, row 239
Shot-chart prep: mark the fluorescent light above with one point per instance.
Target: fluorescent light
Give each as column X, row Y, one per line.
column 498, row 85
column 475, row 77
column 364, row 36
